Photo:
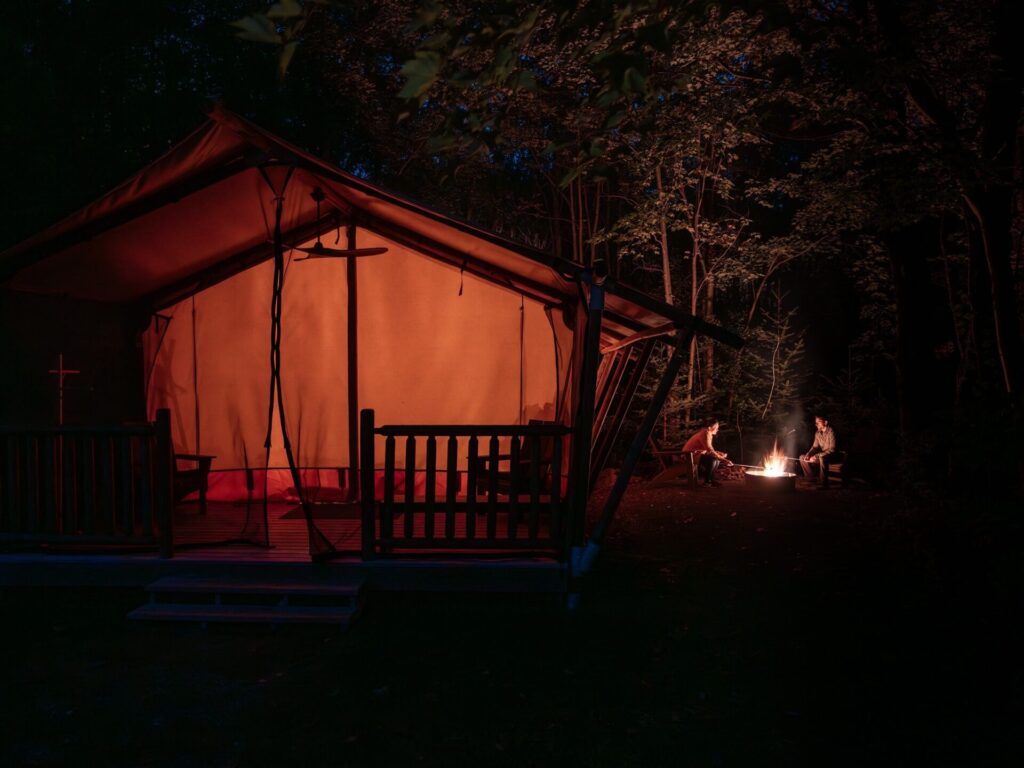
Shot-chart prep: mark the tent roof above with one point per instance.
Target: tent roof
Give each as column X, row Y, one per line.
column 204, row 211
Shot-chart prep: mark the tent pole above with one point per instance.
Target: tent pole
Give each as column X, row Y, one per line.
column 636, row 448
column 353, row 369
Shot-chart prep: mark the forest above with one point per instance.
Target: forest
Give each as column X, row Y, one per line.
column 837, row 181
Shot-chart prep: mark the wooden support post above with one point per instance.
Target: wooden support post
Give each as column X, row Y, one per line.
column 583, row 423
column 162, row 474
column 636, row 447
column 367, row 484
column 353, row 369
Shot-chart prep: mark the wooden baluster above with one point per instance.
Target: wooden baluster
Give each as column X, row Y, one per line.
column 535, row 484
column 410, row 484
column 69, row 486
column 514, row 481
column 367, row 482
column 48, row 483
column 555, row 532
column 11, row 501
column 492, row 491
column 431, row 488
column 106, row 512
column 6, row 486
column 452, row 483
column 87, row 512
column 30, row 498
column 123, row 483
column 387, row 514
column 471, row 475
column 145, row 490
column 163, row 473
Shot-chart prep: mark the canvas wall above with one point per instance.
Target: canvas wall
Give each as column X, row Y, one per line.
column 435, row 346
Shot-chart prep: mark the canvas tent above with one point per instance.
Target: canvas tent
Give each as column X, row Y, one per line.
column 451, row 324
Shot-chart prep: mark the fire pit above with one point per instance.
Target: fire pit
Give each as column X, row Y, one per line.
column 762, row 480
column 774, row 476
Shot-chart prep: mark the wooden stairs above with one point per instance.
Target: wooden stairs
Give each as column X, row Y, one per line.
column 250, row 601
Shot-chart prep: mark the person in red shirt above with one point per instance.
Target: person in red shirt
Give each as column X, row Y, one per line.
column 702, row 444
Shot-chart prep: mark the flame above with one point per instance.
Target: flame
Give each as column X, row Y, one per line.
column 775, row 462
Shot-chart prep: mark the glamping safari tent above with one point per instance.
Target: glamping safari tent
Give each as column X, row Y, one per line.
column 409, row 384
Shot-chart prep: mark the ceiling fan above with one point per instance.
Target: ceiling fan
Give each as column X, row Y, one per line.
column 320, row 251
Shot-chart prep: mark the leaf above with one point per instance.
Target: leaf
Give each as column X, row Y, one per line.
column 504, row 61
column 570, row 176
column 425, row 17
column 524, row 27
column 436, row 42
column 257, row 28
column 525, row 81
column 439, row 142
column 656, row 36
column 287, row 9
column 615, row 119
column 420, row 73
column 285, row 58
column 634, row 81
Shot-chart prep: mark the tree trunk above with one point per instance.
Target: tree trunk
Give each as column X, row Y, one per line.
column 666, row 265
column 709, row 348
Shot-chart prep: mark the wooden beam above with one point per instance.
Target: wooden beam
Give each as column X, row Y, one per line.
column 650, row 333
column 353, row 369
column 636, row 448
column 676, row 315
column 583, row 423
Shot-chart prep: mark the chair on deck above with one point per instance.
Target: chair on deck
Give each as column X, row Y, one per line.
column 544, row 446
column 188, row 481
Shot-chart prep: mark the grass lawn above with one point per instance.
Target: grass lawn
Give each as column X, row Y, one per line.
column 720, row 628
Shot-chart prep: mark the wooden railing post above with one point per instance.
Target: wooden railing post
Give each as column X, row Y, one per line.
column 367, row 486
column 162, row 472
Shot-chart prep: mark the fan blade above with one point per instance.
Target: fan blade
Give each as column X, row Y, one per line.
column 339, row 253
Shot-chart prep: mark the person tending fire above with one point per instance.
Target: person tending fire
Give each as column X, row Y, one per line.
column 822, row 452
column 701, row 443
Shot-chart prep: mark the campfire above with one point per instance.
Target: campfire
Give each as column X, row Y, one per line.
column 774, row 475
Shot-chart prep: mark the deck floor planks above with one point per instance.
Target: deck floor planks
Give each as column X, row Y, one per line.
column 202, row 537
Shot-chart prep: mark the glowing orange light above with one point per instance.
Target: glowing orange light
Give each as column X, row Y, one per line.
column 775, row 462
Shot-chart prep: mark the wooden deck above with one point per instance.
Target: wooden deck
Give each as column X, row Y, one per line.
column 213, row 545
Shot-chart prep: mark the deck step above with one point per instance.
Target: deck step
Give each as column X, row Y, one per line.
column 239, row 586
column 206, row 599
column 244, row 614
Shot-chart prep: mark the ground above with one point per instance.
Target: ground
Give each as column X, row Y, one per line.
column 720, row 628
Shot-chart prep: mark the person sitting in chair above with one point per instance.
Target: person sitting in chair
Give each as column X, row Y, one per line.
column 822, row 452
column 701, row 444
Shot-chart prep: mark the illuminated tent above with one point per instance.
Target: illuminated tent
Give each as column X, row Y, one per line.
column 449, row 324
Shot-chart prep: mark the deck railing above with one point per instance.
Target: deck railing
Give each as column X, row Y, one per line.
column 508, row 501
column 101, row 486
